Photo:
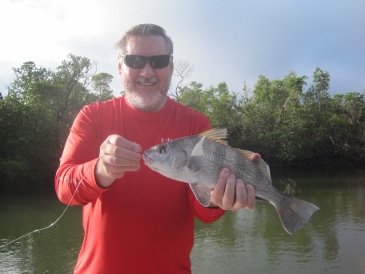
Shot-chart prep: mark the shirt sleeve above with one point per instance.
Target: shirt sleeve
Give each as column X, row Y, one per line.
column 77, row 164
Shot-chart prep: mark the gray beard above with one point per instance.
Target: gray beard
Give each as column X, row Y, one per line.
column 146, row 102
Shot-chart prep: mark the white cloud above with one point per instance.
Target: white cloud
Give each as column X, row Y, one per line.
column 233, row 41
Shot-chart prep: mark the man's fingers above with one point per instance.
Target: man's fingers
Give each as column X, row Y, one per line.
column 251, row 197
column 233, row 194
column 119, row 141
column 119, row 154
column 229, row 196
column 241, row 195
column 220, row 187
column 118, row 151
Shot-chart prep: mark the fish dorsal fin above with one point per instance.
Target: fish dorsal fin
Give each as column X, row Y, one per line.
column 216, row 134
column 260, row 164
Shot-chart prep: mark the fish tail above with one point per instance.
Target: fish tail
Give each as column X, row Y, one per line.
column 295, row 213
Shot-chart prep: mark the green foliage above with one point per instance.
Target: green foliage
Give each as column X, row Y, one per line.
column 218, row 104
column 278, row 118
column 271, row 116
column 192, row 96
column 36, row 115
column 347, row 126
column 284, row 123
column 100, row 83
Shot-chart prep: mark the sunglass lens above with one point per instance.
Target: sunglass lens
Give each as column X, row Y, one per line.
column 138, row 62
column 135, row 61
column 160, row 61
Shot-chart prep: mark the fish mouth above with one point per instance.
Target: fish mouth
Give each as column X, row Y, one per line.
column 147, row 160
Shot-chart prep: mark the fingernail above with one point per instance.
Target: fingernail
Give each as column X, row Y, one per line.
column 226, row 171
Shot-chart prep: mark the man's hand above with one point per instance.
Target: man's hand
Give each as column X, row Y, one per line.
column 117, row 155
column 233, row 194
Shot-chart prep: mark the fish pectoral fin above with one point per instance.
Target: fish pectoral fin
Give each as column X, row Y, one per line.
column 198, row 148
column 201, row 193
column 197, row 160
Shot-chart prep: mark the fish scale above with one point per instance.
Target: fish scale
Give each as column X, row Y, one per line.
column 198, row 161
column 221, row 157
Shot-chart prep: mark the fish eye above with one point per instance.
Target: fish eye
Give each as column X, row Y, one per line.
column 160, row 150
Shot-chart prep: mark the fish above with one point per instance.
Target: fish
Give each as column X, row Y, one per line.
column 199, row 159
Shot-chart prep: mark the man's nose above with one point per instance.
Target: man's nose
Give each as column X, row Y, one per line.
column 147, row 71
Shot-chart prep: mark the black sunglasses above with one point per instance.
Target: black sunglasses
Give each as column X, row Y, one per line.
column 138, row 61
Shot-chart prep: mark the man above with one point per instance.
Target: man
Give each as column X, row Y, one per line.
column 135, row 220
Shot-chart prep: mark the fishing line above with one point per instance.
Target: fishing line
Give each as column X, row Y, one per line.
column 49, row 226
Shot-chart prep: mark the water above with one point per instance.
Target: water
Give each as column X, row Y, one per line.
column 241, row 242
column 50, row 251
column 254, row 241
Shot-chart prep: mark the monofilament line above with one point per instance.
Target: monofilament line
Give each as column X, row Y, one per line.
column 49, row 226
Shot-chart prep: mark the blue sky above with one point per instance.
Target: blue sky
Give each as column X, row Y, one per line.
column 233, row 41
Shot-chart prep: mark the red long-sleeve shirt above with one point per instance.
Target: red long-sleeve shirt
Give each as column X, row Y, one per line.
column 144, row 222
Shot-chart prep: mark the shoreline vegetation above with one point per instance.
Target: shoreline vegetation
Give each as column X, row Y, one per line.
column 290, row 125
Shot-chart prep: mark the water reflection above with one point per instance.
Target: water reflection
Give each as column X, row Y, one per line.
column 255, row 242
column 51, row 251
column 241, row 242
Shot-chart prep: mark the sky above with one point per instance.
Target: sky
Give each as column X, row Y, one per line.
column 232, row 41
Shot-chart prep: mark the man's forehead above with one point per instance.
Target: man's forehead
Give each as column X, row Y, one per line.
column 146, row 43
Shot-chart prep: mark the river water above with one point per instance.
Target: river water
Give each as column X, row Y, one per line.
column 240, row 242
